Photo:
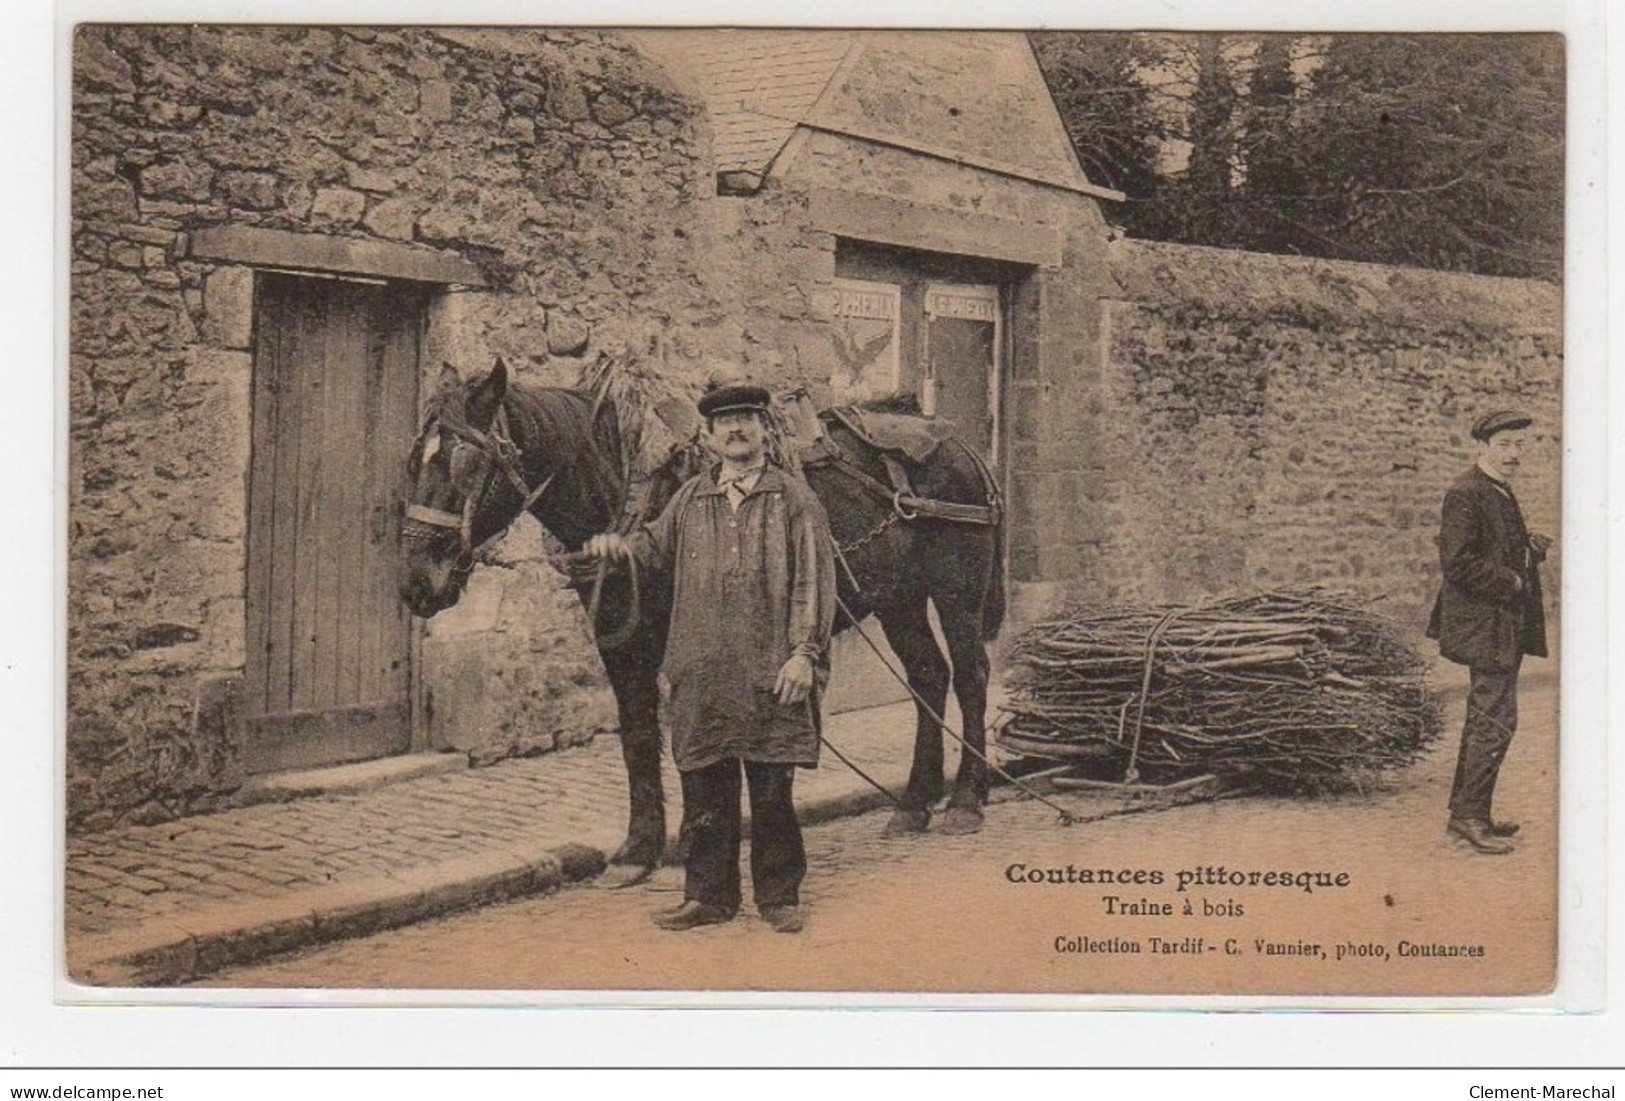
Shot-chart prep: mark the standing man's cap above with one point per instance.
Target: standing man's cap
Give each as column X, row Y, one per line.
column 738, row 395
column 1501, row 420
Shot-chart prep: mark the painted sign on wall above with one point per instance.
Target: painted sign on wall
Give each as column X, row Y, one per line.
column 864, row 334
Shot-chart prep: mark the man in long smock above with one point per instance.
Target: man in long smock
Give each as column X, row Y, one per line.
column 746, row 548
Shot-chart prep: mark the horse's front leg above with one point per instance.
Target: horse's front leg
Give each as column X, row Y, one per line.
column 632, row 675
column 962, row 629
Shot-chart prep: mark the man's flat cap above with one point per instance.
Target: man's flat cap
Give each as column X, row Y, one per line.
column 1500, row 421
column 737, row 395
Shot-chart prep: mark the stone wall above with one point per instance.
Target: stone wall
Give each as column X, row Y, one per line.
column 561, row 163
column 1275, row 421
column 769, row 268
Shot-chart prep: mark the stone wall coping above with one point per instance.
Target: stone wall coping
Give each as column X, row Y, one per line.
column 1338, row 292
column 256, row 246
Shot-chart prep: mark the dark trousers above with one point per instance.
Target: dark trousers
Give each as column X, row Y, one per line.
column 1492, row 717
column 711, row 834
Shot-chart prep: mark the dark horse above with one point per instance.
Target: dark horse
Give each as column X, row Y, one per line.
column 489, row 450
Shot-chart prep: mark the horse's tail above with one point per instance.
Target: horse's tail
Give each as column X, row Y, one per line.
column 993, row 599
column 994, row 603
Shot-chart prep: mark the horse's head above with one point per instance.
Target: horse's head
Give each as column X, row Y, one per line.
column 466, row 487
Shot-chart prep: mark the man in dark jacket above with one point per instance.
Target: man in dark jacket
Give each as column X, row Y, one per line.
column 1487, row 617
column 747, row 551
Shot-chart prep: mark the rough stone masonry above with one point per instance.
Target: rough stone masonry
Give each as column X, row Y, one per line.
column 558, row 161
column 1279, row 421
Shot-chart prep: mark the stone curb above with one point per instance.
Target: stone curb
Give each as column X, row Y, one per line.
column 848, row 804
column 172, row 951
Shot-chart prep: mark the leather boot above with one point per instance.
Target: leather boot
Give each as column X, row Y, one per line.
column 1478, row 835
column 784, row 919
column 692, row 915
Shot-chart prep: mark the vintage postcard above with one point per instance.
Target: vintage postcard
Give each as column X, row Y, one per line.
column 600, row 511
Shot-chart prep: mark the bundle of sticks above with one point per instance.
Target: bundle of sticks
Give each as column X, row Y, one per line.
column 1288, row 692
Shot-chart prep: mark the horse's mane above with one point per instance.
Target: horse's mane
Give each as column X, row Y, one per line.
column 655, row 414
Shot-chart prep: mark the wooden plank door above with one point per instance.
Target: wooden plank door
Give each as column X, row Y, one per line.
column 963, row 334
column 328, row 676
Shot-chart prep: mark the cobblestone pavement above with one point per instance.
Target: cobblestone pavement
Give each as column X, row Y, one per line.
column 148, row 872
column 166, row 888
column 935, row 913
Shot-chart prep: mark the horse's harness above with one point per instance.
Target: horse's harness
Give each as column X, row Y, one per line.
column 905, row 503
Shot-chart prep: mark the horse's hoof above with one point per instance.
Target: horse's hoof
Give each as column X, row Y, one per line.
column 620, row 876
column 961, row 820
column 904, row 822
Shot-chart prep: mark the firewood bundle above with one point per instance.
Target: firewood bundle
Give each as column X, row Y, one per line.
column 1288, row 692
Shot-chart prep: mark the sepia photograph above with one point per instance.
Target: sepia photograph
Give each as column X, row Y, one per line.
column 626, row 512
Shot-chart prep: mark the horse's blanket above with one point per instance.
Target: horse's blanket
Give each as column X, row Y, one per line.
column 907, row 438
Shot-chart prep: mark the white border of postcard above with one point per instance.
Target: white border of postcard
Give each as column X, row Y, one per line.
column 1578, row 1024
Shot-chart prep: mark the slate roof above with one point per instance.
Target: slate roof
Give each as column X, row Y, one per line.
column 976, row 97
column 759, row 84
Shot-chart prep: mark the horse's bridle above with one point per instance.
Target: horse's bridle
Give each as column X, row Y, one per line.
column 501, row 457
